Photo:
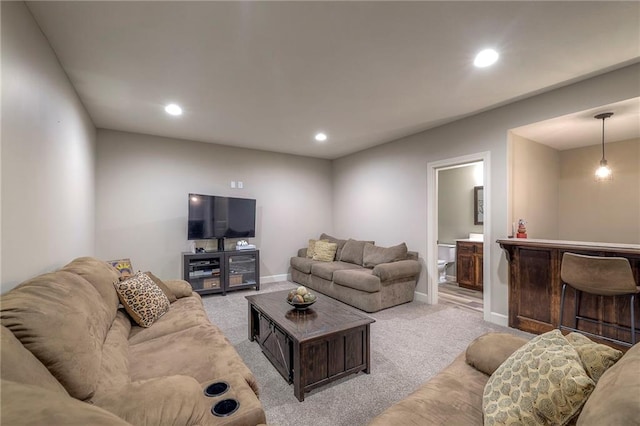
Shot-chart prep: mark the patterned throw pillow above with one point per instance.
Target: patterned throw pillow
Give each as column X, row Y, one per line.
column 142, row 299
column 325, row 251
column 543, row 382
column 596, row 358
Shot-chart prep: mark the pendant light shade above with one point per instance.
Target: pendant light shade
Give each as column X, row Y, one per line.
column 603, row 173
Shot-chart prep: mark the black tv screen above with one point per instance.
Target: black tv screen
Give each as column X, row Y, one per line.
column 221, row 217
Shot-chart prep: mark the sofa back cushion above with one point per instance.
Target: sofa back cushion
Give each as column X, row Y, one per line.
column 615, row 400
column 101, row 275
column 338, row 241
column 20, row 365
column 373, row 255
column 61, row 319
column 353, row 251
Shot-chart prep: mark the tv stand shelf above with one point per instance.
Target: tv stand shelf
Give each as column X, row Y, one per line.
column 222, row 271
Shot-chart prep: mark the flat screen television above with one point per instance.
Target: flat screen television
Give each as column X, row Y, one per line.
column 220, row 217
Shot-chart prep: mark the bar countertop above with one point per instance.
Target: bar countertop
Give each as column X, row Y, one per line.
column 576, row 245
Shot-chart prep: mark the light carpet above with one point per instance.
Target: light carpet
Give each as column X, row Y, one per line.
column 410, row 343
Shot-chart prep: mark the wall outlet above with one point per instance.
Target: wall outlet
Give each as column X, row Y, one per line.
column 240, row 184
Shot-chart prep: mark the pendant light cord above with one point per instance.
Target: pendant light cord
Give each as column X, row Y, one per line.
column 603, row 118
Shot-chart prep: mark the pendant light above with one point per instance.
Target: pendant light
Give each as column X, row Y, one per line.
column 603, row 173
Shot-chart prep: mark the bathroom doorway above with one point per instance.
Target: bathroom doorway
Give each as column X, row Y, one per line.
column 458, row 219
column 460, row 199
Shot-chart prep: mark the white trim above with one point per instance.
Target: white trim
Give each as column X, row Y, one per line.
column 275, row 278
column 420, row 297
column 432, row 228
column 499, row 319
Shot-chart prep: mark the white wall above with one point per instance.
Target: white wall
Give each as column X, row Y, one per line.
column 142, row 187
column 455, row 203
column 48, row 143
column 600, row 211
column 381, row 193
column 535, row 183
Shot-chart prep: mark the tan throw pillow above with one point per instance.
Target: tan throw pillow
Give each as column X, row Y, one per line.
column 124, row 267
column 543, row 382
column 374, row 255
column 142, row 299
column 338, row 241
column 325, row 251
column 311, row 250
column 596, row 358
column 165, row 289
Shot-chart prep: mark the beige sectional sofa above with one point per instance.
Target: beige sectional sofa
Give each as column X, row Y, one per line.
column 361, row 274
column 455, row 395
column 70, row 355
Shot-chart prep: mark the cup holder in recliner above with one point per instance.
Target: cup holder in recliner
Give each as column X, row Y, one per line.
column 226, row 407
column 216, row 389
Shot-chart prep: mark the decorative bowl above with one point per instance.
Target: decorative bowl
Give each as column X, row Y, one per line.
column 301, row 306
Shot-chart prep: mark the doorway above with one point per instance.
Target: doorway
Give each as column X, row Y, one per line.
column 473, row 208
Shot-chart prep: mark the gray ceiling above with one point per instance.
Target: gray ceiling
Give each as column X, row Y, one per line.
column 268, row 75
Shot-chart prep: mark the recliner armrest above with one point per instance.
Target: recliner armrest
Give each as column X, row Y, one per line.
column 396, row 270
column 164, row 400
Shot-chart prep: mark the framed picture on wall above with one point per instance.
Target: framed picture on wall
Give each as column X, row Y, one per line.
column 478, row 205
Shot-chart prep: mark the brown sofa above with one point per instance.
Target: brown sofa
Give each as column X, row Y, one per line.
column 355, row 278
column 70, row 355
column 454, row 396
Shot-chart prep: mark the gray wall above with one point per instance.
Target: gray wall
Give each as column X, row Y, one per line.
column 48, row 143
column 142, row 187
column 455, row 203
column 381, row 193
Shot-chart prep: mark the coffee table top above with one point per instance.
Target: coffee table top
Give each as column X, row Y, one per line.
column 326, row 316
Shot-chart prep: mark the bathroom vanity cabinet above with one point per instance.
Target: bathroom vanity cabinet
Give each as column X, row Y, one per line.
column 469, row 264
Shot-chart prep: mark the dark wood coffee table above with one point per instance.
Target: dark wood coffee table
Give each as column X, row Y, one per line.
column 310, row 348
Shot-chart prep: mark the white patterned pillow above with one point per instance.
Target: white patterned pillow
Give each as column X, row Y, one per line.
column 543, row 382
column 142, row 299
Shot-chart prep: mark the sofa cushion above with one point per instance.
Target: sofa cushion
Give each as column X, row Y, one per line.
column 374, row 255
column 453, row 397
column 114, row 368
column 101, row 275
column 20, row 365
column 325, row 270
column 359, row 279
column 166, row 290
column 543, row 382
column 62, row 319
column 302, row 264
column 325, row 251
column 616, row 399
column 487, row 352
column 334, row 240
column 142, row 299
column 311, row 249
column 24, row 404
column 353, row 251
column 595, row 357
column 184, row 313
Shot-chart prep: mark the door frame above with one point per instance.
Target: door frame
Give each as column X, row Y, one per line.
column 432, row 225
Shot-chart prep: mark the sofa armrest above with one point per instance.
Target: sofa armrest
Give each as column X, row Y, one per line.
column 159, row 401
column 396, row 270
column 487, row 352
column 302, row 252
column 180, row 288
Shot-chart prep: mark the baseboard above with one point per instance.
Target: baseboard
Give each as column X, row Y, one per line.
column 275, row 278
column 499, row 319
column 420, row 297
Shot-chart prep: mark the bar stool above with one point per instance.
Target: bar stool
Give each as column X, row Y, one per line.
column 603, row 276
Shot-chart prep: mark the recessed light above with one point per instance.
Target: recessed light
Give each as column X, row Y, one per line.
column 321, row 137
column 486, row 58
column 173, row 109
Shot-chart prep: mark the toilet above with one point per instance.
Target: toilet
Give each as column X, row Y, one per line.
column 446, row 256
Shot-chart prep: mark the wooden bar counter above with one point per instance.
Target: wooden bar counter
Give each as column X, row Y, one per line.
column 535, row 287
